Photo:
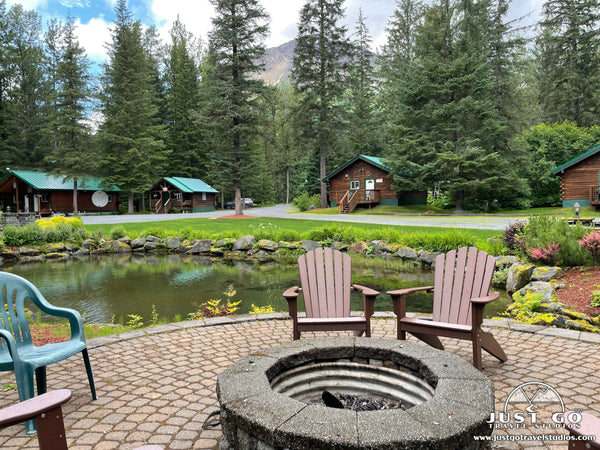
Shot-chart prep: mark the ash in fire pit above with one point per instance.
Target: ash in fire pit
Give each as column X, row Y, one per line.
column 271, row 400
column 355, row 403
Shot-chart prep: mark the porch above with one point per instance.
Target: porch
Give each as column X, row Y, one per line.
column 595, row 196
column 167, row 200
column 348, row 201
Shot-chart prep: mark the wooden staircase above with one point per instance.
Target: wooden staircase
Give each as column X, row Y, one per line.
column 348, row 202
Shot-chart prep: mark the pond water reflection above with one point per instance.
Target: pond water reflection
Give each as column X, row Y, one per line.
column 103, row 287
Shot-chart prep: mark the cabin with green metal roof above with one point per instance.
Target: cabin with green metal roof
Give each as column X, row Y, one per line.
column 182, row 194
column 29, row 191
column 367, row 181
column 580, row 179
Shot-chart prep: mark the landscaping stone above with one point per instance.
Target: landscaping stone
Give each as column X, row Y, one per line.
column 152, row 239
column 88, row 243
column 289, row 245
column 138, row 243
column 506, row 261
column 201, row 247
column 518, row 276
column 545, row 273
column 150, row 245
column 265, row 244
column 126, row 240
column 173, row 243
column 340, row 246
column 309, row 246
column 407, row 253
column 26, row 251
column 244, row 243
column 118, row 247
column 426, row 257
column 358, row 247
column 539, row 287
column 225, row 243
column 28, row 259
column 81, row 252
column 53, row 248
column 57, row 255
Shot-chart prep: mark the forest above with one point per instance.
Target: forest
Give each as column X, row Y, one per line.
column 460, row 100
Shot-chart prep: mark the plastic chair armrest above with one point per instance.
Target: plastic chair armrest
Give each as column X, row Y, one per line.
column 10, row 344
column 29, row 409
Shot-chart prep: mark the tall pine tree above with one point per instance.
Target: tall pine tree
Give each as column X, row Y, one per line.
column 236, row 47
column 72, row 156
column 569, row 49
column 132, row 134
column 319, row 74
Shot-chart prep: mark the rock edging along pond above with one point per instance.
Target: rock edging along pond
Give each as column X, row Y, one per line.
column 533, row 289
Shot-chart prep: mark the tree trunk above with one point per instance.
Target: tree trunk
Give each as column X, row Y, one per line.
column 460, row 196
column 142, row 204
column 323, row 174
column 238, row 201
column 287, row 186
column 75, row 206
column 222, row 200
column 130, row 203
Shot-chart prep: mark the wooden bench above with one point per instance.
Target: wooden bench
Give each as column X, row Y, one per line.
column 589, row 426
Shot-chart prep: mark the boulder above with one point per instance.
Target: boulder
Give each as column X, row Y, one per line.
column 225, row 243
column 426, row 257
column 202, row 246
column 150, row 245
column 152, row 239
column 265, row 244
column 506, row 261
column 309, row 246
column 539, row 287
column 289, row 245
column 340, row 246
column 88, row 243
column 119, row 247
column 407, row 253
column 138, row 243
column 545, row 273
column 358, row 247
column 173, row 243
column 519, row 275
column 55, row 248
column 125, row 239
column 244, row 244
column 26, row 251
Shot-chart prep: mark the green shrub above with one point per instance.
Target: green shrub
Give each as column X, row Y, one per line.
column 118, row 232
column 304, row 201
column 187, row 233
column 159, row 232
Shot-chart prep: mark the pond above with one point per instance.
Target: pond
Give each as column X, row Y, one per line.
column 106, row 288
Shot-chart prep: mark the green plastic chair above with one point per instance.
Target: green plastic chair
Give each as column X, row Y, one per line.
column 17, row 351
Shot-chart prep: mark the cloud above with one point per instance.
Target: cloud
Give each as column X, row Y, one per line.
column 93, row 36
column 195, row 15
column 75, row 3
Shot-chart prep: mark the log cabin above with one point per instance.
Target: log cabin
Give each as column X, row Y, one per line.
column 182, row 194
column 366, row 181
column 580, row 180
column 28, row 191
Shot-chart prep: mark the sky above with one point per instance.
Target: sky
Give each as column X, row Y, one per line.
column 94, row 17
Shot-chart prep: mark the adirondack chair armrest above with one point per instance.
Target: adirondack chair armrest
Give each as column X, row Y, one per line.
column 365, row 290
column 292, row 293
column 29, row 409
column 487, row 299
column 404, row 292
column 291, row 296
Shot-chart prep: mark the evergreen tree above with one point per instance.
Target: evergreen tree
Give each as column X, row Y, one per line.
column 319, row 76
column 236, row 48
column 569, row 49
column 72, row 156
column 184, row 136
column 363, row 128
column 132, row 134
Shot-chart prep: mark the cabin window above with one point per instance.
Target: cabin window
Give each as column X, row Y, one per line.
column 354, row 185
column 110, row 199
column 44, row 198
column 177, row 195
column 204, row 196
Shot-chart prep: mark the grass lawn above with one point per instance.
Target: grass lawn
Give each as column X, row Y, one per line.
column 217, row 228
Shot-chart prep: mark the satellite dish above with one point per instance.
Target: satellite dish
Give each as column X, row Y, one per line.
column 100, row 199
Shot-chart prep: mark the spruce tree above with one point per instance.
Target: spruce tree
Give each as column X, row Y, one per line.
column 236, row 47
column 72, row 156
column 184, row 135
column 319, row 75
column 569, row 61
column 132, row 134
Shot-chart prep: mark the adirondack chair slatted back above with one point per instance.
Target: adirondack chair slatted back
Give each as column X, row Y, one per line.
column 459, row 277
column 13, row 317
column 325, row 275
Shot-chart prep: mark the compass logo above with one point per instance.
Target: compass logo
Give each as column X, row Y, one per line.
column 534, row 404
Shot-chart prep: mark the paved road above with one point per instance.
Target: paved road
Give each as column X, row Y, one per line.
column 286, row 211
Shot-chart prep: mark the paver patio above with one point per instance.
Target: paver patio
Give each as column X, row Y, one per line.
column 157, row 386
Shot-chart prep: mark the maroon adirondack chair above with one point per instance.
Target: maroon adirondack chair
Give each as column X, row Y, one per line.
column 325, row 275
column 46, row 409
column 461, row 290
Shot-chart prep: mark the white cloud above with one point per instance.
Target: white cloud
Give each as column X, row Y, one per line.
column 93, row 36
column 29, row 4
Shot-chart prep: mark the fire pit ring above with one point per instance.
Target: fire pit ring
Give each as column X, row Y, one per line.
column 263, row 397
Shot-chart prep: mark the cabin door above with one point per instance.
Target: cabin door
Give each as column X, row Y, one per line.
column 369, row 188
column 26, row 205
column 165, row 197
column 36, row 203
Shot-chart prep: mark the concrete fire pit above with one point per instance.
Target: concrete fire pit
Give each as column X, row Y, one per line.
column 265, row 397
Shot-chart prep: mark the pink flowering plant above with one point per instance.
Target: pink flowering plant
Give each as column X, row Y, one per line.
column 591, row 242
column 545, row 255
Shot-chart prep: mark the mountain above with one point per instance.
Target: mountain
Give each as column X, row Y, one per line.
column 278, row 63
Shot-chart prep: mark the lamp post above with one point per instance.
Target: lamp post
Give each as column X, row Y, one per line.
column 576, row 209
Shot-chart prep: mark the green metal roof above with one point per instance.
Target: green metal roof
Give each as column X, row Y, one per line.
column 43, row 181
column 577, row 159
column 377, row 162
column 188, row 184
